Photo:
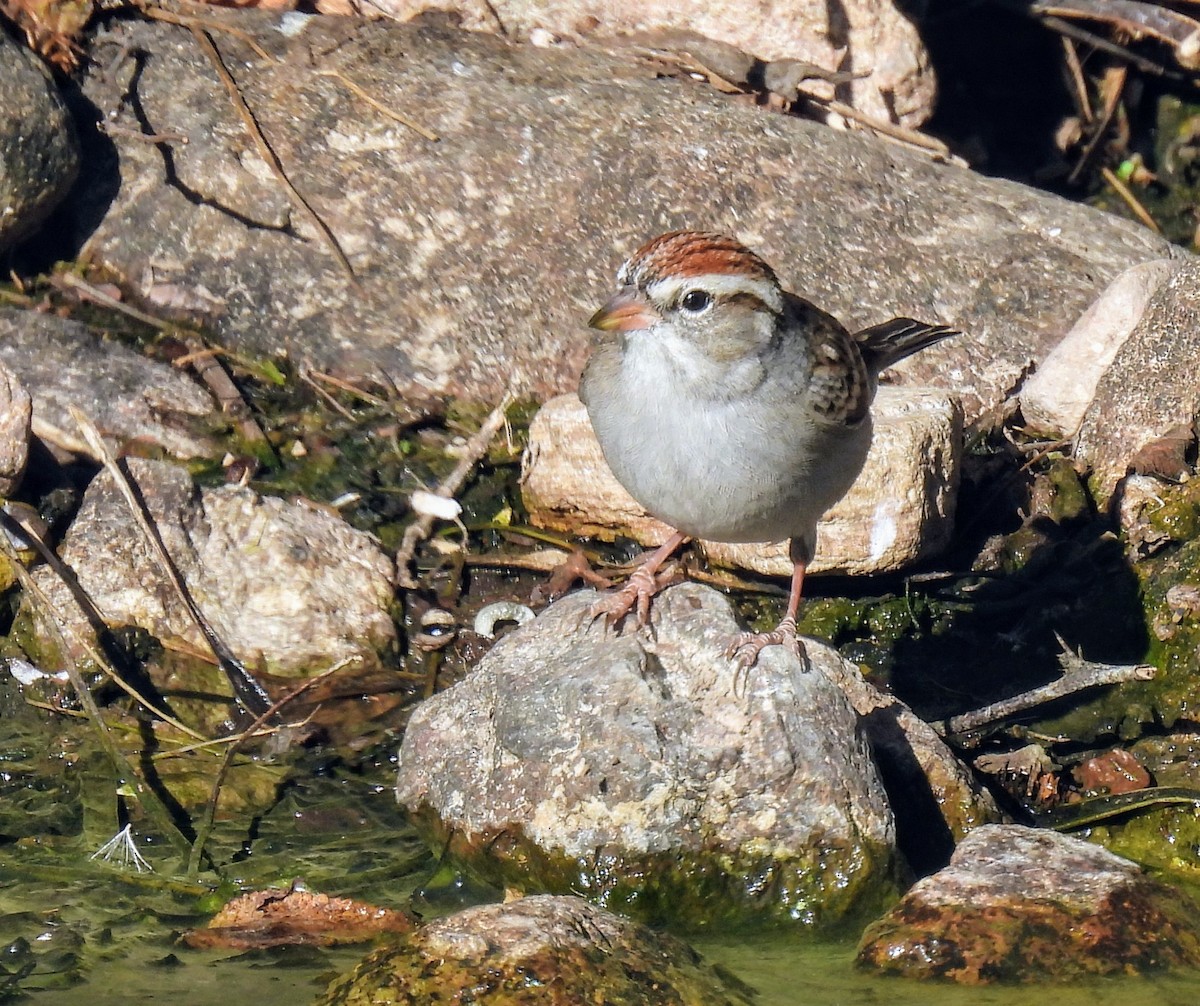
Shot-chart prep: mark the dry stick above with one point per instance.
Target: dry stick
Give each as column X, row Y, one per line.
column 267, row 154
column 31, row 587
column 1112, row 100
column 200, row 357
column 1130, row 199
column 379, row 106
column 419, row 529
column 147, row 799
column 203, row 361
column 1077, row 675
column 249, row 692
column 210, row 811
column 157, row 13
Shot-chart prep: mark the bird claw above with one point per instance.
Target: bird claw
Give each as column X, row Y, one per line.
column 745, row 647
column 636, row 595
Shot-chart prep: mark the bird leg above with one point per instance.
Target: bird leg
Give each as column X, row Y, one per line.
column 643, row 583
column 746, row 646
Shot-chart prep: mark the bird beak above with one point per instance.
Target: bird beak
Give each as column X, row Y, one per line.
column 627, row 311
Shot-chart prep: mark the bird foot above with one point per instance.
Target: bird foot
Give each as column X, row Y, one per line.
column 745, row 647
column 643, row 584
column 573, row 567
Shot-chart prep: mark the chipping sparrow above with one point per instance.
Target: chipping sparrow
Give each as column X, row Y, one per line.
column 730, row 409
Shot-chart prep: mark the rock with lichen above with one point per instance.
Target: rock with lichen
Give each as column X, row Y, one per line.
column 642, row 771
column 1021, row 905
column 548, row 951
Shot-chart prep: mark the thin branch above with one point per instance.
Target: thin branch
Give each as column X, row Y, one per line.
column 475, row 449
column 379, row 106
column 147, row 799
column 249, row 692
column 266, row 153
column 1078, row 675
column 204, row 830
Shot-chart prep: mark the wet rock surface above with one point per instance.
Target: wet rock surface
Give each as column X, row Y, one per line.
column 556, row 951
column 1018, row 904
column 479, row 257
column 291, row 588
column 128, row 397
column 38, row 154
column 627, row 767
column 899, row 511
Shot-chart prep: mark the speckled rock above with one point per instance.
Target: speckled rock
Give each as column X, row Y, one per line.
column 628, row 768
column 540, row 951
column 1018, row 904
column 291, row 588
column 38, row 154
column 478, row 258
column 126, row 395
column 899, row 511
column 15, row 413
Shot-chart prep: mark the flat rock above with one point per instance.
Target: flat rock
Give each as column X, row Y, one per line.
column 39, row 158
column 16, row 412
column 479, row 257
column 127, row 396
column 291, row 588
column 542, row 951
column 866, row 36
column 630, row 768
column 1019, row 904
column 899, row 511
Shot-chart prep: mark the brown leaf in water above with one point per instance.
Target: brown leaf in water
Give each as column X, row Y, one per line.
column 274, row 918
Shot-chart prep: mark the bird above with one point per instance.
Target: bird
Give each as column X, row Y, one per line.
column 731, row 409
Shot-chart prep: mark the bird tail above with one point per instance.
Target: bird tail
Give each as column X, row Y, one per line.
column 887, row 343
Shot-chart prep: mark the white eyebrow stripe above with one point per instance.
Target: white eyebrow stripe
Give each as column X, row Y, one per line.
column 721, row 285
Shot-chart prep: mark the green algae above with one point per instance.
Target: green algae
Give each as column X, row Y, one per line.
column 825, row 887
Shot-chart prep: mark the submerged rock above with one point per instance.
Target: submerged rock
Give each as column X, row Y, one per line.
column 541, row 951
column 1018, row 904
column 628, row 767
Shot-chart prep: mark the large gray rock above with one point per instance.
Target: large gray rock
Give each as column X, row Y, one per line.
column 291, row 588
column 38, row 154
column 480, row 256
column 630, row 768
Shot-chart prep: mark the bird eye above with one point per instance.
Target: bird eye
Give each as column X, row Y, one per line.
column 696, row 301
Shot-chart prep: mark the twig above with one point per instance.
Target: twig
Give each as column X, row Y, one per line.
column 419, row 529
column 268, row 155
column 379, row 106
column 329, row 400
column 891, row 130
column 157, row 13
column 1078, row 674
column 30, row 586
column 203, row 362
column 81, row 286
column 249, row 692
column 1114, row 85
column 347, row 386
column 1122, row 190
column 210, row 811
